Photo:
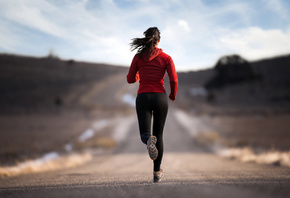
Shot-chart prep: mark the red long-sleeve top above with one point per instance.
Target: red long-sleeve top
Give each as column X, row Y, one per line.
column 150, row 70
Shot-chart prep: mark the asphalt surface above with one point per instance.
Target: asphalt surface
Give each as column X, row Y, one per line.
column 126, row 171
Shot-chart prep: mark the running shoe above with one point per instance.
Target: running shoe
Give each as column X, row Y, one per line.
column 151, row 146
column 158, row 175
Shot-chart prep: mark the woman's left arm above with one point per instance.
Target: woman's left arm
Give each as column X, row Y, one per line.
column 133, row 75
column 173, row 79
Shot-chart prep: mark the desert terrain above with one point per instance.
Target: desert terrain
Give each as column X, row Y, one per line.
column 67, row 117
column 47, row 103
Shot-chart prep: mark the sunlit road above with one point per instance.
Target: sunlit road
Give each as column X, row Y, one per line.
column 190, row 171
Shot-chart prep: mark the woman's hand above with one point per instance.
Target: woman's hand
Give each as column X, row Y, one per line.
column 171, row 97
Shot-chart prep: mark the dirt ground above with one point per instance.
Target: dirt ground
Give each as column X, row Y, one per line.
column 256, row 131
column 29, row 136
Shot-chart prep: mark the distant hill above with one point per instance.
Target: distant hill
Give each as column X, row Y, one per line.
column 29, row 84
column 270, row 93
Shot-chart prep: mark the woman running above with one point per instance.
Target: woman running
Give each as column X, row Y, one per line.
column 149, row 66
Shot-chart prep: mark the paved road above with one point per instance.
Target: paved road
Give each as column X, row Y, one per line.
column 190, row 171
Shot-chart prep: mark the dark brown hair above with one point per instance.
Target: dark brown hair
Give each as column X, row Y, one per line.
column 146, row 44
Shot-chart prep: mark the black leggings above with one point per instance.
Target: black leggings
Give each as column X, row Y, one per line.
column 156, row 104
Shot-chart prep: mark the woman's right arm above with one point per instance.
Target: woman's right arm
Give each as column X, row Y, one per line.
column 133, row 76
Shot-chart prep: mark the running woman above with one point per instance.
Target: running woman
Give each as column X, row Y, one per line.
column 149, row 66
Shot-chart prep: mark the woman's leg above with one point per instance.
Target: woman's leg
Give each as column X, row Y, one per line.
column 146, row 103
column 160, row 109
column 144, row 114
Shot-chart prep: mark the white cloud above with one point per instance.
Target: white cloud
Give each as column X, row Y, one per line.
column 184, row 25
column 254, row 42
column 29, row 14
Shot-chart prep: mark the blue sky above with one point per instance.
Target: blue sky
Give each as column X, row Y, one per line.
column 194, row 32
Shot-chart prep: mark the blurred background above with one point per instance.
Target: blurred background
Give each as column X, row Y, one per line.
column 63, row 67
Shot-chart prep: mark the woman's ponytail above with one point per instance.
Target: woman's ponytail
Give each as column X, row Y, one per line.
column 146, row 44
